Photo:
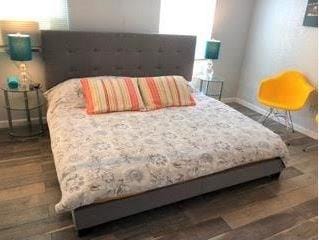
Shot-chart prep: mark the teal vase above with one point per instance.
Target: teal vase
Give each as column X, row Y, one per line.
column 13, row 82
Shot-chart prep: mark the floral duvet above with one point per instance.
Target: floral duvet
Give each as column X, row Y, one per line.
column 109, row 156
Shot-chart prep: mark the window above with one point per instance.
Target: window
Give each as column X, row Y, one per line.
column 51, row 14
column 188, row 17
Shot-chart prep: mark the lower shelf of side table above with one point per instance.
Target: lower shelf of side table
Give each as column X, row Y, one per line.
column 26, row 131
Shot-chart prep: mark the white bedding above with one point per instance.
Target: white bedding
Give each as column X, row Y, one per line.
column 109, row 156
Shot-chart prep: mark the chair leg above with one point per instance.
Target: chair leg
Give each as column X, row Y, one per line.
column 291, row 123
column 287, row 127
column 264, row 118
column 288, row 122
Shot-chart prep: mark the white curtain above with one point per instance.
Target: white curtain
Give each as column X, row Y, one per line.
column 188, row 17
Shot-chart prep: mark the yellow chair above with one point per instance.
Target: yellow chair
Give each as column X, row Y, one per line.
column 287, row 91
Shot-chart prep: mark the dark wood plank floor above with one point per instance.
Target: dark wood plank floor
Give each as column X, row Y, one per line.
column 262, row 209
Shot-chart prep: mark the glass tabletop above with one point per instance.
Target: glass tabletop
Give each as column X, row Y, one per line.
column 19, row 89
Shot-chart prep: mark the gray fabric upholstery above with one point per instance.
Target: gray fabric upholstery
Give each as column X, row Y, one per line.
column 70, row 54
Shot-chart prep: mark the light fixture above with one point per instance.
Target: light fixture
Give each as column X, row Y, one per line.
column 211, row 53
column 20, row 50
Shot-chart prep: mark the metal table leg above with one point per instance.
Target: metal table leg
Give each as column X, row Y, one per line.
column 27, row 111
column 201, row 86
column 221, row 91
column 39, row 111
column 6, row 97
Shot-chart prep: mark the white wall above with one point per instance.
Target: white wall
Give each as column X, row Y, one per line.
column 139, row 16
column 231, row 27
column 278, row 41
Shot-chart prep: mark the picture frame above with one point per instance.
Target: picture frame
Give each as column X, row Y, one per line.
column 311, row 14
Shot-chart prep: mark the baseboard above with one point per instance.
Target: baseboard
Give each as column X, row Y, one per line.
column 229, row 100
column 260, row 110
column 19, row 122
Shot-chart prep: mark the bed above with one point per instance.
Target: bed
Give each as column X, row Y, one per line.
column 114, row 165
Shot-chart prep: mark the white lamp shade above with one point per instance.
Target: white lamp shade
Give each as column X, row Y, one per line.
column 23, row 27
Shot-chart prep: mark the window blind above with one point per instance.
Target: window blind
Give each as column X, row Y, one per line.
column 50, row 14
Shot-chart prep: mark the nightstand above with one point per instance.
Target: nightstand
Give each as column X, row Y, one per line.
column 22, row 104
column 210, row 83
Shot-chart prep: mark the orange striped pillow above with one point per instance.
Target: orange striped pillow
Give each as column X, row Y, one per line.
column 166, row 91
column 108, row 94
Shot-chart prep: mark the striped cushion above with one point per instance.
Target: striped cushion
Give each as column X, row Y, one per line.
column 111, row 94
column 166, row 91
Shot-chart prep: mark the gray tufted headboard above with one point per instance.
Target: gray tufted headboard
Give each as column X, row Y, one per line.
column 70, row 54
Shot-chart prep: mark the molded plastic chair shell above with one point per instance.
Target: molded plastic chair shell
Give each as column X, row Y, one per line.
column 287, row 91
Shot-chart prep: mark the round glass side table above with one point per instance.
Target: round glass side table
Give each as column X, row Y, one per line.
column 25, row 107
column 213, row 80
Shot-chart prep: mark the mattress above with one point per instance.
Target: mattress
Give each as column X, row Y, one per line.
column 103, row 157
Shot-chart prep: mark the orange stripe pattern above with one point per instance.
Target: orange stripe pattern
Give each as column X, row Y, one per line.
column 109, row 94
column 166, row 91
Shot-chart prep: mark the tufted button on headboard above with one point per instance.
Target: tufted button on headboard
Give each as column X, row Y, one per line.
column 69, row 54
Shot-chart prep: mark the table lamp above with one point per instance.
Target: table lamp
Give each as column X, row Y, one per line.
column 211, row 53
column 20, row 50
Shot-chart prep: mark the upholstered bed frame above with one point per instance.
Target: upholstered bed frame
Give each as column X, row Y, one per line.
column 70, row 54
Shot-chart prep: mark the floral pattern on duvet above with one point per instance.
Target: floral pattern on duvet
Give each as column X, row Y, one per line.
column 115, row 155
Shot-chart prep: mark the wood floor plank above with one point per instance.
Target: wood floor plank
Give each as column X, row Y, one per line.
column 19, row 170
column 109, row 237
column 236, row 199
column 18, row 192
column 298, row 144
column 170, row 218
column 308, row 166
column 223, row 204
column 305, row 230
column 29, row 159
column 201, row 231
column 41, row 237
column 24, row 216
column 263, row 228
column 280, row 187
column 18, row 155
column 30, row 229
column 266, row 208
column 302, row 157
column 67, row 232
column 289, row 172
column 25, row 159
column 30, row 201
column 11, row 182
column 307, row 209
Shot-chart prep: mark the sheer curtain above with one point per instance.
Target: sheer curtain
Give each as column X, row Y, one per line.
column 188, row 17
column 50, row 14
